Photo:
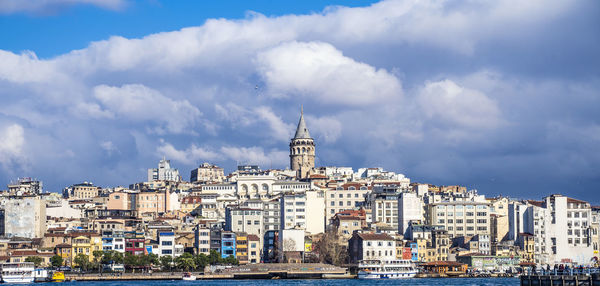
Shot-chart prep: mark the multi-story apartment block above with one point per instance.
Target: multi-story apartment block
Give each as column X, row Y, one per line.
column 384, row 205
column 166, row 244
column 113, row 240
column 345, row 197
column 246, row 220
column 207, row 172
column 24, row 216
column 304, row 210
column 83, row 191
column 228, row 244
column 202, row 240
column 461, row 218
column 410, row 209
column 253, row 249
column 25, row 186
column 241, row 247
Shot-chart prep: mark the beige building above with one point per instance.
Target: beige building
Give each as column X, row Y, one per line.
column 302, row 150
column 24, row 216
column 121, row 201
column 344, row 197
column 498, row 219
column 83, row 191
column 207, row 172
column 253, row 249
column 461, row 218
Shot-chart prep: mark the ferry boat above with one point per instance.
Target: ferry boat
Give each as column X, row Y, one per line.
column 19, row 272
column 188, row 276
column 386, row 269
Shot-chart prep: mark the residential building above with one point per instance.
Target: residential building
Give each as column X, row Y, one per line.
column 25, row 187
column 254, row 249
column 202, row 240
column 83, row 191
column 228, row 244
column 345, row 197
column 460, row 218
column 207, row 172
column 364, row 246
column 24, row 216
column 241, row 247
column 410, row 209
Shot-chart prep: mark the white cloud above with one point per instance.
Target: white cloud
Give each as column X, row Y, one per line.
column 50, row 6
column 12, row 140
column 321, row 72
column 448, row 104
column 254, row 119
column 326, row 128
column 192, row 155
column 256, row 155
column 140, row 103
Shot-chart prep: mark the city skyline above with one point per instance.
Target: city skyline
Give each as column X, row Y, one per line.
column 426, row 89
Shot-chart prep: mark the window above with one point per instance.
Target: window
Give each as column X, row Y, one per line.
column 470, row 214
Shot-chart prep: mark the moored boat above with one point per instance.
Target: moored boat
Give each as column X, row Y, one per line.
column 18, row 272
column 58, row 276
column 188, row 276
column 386, row 269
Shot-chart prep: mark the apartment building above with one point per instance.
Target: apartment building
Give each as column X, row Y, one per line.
column 344, row 197
column 460, row 218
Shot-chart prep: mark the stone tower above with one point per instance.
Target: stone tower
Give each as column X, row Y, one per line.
column 302, row 150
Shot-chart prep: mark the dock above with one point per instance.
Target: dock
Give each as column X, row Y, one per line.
column 251, row 271
column 575, row 277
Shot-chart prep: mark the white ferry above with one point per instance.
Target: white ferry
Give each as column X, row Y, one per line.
column 390, row 269
column 21, row 272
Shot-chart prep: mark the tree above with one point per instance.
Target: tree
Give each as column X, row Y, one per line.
column 329, row 250
column 83, row 261
column 97, row 256
column 130, row 259
column 166, row 262
column 56, row 260
column 117, row 257
column 37, row 261
column 231, row 260
column 201, row 260
column 185, row 262
column 214, row 257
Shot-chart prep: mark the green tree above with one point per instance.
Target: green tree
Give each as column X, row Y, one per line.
column 166, row 262
column 214, row 257
column 185, row 262
column 117, row 257
column 231, row 260
column 201, row 260
column 107, row 257
column 97, row 256
column 130, row 259
column 83, row 261
column 56, row 260
column 37, row 261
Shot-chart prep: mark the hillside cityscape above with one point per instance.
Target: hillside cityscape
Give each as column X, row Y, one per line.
column 302, row 214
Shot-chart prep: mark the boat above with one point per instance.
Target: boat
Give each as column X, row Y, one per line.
column 386, row 269
column 188, row 276
column 17, row 272
column 41, row 275
column 58, row 276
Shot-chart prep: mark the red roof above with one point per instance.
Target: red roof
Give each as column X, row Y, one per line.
column 375, row 236
column 253, row 237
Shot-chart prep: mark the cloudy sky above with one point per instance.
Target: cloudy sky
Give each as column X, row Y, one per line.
column 502, row 96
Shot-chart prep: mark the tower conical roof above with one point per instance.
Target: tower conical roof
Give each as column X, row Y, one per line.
column 302, row 131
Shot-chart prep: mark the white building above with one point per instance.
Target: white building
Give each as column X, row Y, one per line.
column 460, row 218
column 164, row 172
column 371, row 246
column 24, row 216
column 345, row 197
column 410, row 208
column 304, row 210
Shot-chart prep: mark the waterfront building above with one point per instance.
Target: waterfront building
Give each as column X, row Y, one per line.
column 113, row 240
column 135, row 242
column 375, row 246
column 241, row 247
column 246, row 220
column 202, row 240
column 254, row 249
column 166, row 244
column 228, row 244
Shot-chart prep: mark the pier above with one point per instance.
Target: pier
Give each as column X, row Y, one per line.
column 575, row 277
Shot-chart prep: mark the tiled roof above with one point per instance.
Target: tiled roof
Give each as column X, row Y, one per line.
column 375, row 236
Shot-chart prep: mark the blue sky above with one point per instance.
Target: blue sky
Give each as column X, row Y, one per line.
column 501, row 96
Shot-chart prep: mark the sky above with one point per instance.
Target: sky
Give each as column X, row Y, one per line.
column 499, row 96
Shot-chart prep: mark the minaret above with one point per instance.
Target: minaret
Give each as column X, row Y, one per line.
column 302, row 149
